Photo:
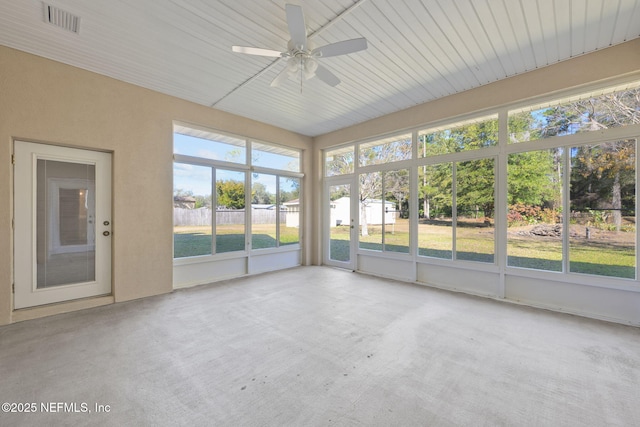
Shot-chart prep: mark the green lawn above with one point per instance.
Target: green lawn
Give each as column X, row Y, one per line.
column 191, row 241
column 607, row 253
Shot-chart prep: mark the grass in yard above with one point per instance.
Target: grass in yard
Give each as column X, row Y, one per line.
column 607, row 253
column 191, row 241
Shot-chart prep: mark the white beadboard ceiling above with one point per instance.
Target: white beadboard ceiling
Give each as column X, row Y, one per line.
column 419, row 50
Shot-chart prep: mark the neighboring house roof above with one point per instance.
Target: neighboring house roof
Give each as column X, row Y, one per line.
column 187, row 199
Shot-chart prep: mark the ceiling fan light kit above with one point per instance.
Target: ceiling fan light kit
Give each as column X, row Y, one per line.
column 301, row 57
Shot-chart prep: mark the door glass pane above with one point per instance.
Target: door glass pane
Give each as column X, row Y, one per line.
column 65, row 229
column 340, row 222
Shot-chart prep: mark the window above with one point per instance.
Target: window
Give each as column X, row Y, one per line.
column 435, row 228
column 339, row 161
column 208, row 145
column 386, row 150
column 192, row 215
column 466, row 219
column 275, row 157
column 230, row 211
column 601, row 215
column 289, row 198
column 384, row 221
column 475, row 210
column 602, row 222
column 212, row 184
column 592, row 112
column 569, row 203
column 197, row 217
column 264, row 211
column 534, row 218
column 468, row 135
column 371, row 207
column 396, row 227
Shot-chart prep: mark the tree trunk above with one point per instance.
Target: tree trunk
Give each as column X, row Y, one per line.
column 363, row 217
column 617, row 202
column 427, row 207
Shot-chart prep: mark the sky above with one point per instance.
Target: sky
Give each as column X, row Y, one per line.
column 198, row 178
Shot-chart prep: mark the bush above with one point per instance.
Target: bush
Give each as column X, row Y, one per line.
column 521, row 214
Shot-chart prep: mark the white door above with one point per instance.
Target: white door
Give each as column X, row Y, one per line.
column 62, row 224
column 340, row 225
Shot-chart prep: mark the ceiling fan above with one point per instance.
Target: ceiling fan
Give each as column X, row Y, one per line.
column 300, row 55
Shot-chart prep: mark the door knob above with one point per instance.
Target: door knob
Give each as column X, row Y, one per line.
column 105, row 233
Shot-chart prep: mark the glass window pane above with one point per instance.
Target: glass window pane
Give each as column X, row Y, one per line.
column 470, row 135
column 289, row 211
column 534, row 218
column 386, row 150
column 435, row 231
column 275, row 157
column 602, row 231
column 192, row 216
column 339, row 161
column 396, row 211
column 474, row 210
column 263, row 211
column 208, row 145
column 567, row 117
column 230, row 211
column 65, row 221
column 371, row 209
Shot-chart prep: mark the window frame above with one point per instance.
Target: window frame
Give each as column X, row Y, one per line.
column 248, row 169
column 500, row 152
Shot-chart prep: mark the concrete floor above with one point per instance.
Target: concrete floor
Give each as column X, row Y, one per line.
column 315, row 346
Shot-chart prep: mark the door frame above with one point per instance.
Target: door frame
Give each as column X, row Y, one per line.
column 26, row 292
column 354, row 226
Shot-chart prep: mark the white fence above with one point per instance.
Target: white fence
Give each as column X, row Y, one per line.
column 202, row 216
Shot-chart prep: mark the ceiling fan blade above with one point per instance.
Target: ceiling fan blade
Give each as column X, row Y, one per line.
column 340, row 48
column 256, row 51
column 297, row 27
column 327, row 76
column 282, row 76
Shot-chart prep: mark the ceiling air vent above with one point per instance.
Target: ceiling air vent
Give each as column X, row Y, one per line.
column 61, row 18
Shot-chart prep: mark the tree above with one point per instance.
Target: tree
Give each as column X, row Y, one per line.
column 475, row 186
column 340, row 163
column 370, row 189
column 602, row 175
column 436, row 188
column 230, row 194
column 396, row 187
column 604, row 169
column 531, row 178
column 462, row 138
column 260, row 195
column 294, row 193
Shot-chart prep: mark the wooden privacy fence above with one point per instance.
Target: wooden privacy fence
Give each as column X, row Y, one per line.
column 202, row 216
